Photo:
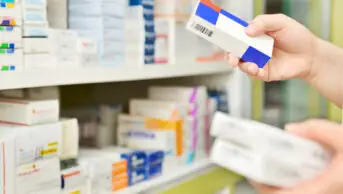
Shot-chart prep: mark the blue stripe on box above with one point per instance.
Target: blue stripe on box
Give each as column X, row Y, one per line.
column 234, row 18
column 207, row 13
column 253, row 55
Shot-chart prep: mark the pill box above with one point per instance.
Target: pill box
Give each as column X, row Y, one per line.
column 264, row 153
column 228, row 32
column 28, row 112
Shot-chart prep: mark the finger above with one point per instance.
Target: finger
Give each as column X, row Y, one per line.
column 233, row 60
column 324, row 132
column 267, row 23
column 252, row 70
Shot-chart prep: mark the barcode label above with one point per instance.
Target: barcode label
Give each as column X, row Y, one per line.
column 202, row 29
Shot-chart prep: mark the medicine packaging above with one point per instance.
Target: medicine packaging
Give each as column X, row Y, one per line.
column 36, row 29
column 228, row 32
column 73, row 179
column 58, row 14
column 30, row 143
column 258, row 151
column 43, row 93
column 11, row 34
column 7, row 164
column 34, row 4
column 12, row 61
column 70, row 136
column 38, row 176
column 96, row 8
column 28, row 112
column 112, row 174
column 34, row 15
column 129, row 123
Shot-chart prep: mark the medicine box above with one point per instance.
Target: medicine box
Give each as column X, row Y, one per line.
column 36, row 46
column 97, row 22
column 10, row 21
column 136, row 159
column 40, row 175
column 13, row 10
column 7, row 164
column 33, row 143
column 11, row 61
column 28, row 112
column 97, row 8
column 184, row 95
column 70, row 136
column 43, row 93
column 137, row 176
column 63, row 42
column 58, row 14
column 34, row 15
column 228, row 32
column 120, row 182
column 128, row 122
column 257, row 151
column 11, row 34
column 35, row 29
column 34, row 4
column 73, row 178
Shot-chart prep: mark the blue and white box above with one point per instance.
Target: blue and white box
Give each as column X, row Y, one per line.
column 228, row 32
column 136, row 159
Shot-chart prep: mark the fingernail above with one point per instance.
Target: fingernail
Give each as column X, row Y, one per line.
column 291, row 127
column 261, row 72
column 250, row 30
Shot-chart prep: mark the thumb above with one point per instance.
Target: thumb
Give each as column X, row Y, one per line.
column 267, row 23
column 327, row 133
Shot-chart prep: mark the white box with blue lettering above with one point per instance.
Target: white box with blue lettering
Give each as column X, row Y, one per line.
column 228, row 32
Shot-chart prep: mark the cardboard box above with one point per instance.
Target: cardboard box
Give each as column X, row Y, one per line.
column 258, row 151
column 227, row 31
column 7, row 164
column 12, row 62
column 73, row 179
column 34, row 143
column 28, row 112
column 37, row 176
column 138, row 125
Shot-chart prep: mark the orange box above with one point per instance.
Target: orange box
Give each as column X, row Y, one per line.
column 159, row 124
column 120, row 181
column 119, row 167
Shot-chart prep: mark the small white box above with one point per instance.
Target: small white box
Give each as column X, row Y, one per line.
column 73, row 178
column 228, row 32
column 33, row 143
column 14, row 61
column 63, row 42
column 70, row 139
column 12, row 34
column 100, row 22
column 35, row 29
column 36, row 46
column 7, row 164
column 37, row 176
column 34, row 4
column 183, row 95
column 28, row 112
column 87, row 46
column 15, row 12
column 17, row 93
column 35, row 15
column 97, row 8
column 264, row 153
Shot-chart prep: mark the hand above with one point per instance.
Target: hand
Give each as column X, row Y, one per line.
column 294, row 49
column 329, row 182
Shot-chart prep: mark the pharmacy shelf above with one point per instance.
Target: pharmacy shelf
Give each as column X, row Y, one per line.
column 176, row 174
column 56, row 77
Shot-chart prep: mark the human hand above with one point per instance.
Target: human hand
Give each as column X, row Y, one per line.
column 330, row 135
column 294, row 49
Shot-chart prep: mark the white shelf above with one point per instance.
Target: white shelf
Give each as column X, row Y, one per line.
column 55, row 77
column 178, row 173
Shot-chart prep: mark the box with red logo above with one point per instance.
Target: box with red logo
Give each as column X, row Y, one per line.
column 34, row 143
column 28, row 112
column 38, row 176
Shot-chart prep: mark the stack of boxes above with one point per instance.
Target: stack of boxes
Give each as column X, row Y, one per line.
column 171, row 35
column 107, row 171
column 103, row 21
column 195, row 97
column 140, row 33
column 33, row 133
column 11, row 54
